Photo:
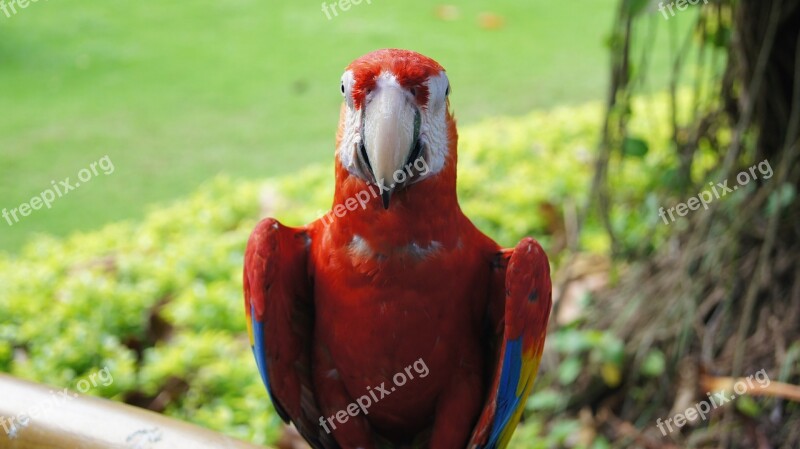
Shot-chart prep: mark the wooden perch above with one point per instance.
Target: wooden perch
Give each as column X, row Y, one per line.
column 772, row 389
column 50, row 418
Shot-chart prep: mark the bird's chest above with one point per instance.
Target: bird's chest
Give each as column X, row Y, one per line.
column 380, row 309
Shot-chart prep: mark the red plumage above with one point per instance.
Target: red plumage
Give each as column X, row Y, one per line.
column 342, row 305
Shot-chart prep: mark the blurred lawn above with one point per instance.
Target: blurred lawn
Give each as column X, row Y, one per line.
column 176, row 92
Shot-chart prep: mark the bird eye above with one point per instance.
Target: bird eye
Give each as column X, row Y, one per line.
column 447, row 91
column 414, row 91
column 342, row 87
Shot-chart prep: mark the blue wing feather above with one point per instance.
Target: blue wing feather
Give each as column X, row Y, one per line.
column 521, row 298
column 261, row 362
column 507, row 398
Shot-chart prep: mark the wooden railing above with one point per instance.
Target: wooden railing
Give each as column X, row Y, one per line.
column 44, row 418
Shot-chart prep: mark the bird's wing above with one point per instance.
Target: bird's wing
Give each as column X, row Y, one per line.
column 278, row 297
column 520, row 305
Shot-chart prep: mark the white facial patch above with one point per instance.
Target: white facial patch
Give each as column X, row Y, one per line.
column 351, row 135
column 433, row 123
column 433, row 129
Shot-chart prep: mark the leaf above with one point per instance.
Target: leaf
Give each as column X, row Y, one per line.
column 611, row 374
column 571, row 341
column 634, row 147
column 613, row 41
column 613, row 350
column 601, row 443
column 545, row 400
column 722, row 37
column 569, row 370
column 635, row 7
column 654, row 364
column 748, row 406
column 781, row 198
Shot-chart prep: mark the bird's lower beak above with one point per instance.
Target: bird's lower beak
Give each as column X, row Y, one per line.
column 390, row 134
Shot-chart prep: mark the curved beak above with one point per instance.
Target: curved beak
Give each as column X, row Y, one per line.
column 390, row 132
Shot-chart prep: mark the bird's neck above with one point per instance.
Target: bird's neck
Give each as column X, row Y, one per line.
column 423, row 212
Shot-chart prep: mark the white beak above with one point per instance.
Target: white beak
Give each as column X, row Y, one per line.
column 389, row 128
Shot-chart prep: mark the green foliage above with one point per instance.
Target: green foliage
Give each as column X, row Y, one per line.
column 588, row 350
column 159, row 302
column 155, row 302
column 562, row 433
column 634, row 147
column 654, row 363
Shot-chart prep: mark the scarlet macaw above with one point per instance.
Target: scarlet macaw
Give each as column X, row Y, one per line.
column 396, row 275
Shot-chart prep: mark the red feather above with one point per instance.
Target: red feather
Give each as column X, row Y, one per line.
column 349, row 303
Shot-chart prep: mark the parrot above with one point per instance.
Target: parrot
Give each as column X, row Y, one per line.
column 392, row 321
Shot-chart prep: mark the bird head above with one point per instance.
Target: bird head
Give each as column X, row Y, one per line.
column 394, row 122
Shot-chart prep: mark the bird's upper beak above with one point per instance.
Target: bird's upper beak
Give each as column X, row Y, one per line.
column 390, row 134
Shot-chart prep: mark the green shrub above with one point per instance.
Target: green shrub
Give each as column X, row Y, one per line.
column 159, row 302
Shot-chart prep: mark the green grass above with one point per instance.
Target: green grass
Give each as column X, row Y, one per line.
column 177, row 92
